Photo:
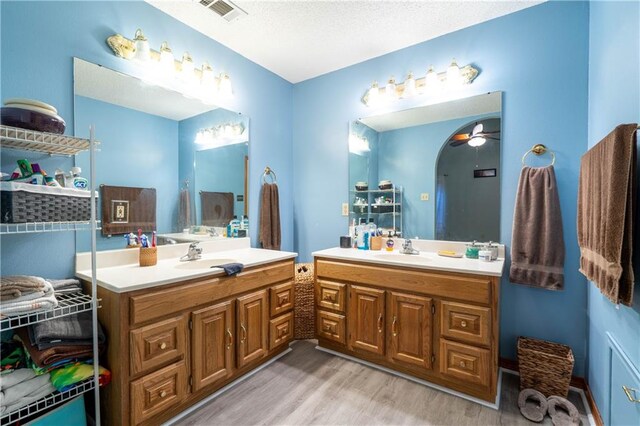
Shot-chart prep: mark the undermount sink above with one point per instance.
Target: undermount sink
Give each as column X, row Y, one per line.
column 203, row 263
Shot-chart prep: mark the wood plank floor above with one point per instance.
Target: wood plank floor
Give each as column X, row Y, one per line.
column 309, row 387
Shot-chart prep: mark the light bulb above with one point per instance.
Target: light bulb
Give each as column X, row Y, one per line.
column 186, row 72
column 390, row 90
column 225, row 88
column 477, row 141
column 373, row 96
column 166, row 58
column 409, row 86
column 142, row 51
column 453, row 74
column 206, row 78
column 431, row 80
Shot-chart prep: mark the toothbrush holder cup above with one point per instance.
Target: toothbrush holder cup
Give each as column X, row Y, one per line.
column 148, row 256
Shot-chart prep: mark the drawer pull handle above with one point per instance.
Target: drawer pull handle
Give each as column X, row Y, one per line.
column 631, row 393
column 230, row 342
column 283, row 301
column 163, row 345
column 463, row 364
column 393, row 326
column 329, row 298
column 463, row 323
column 327, row 327
column 379, row 323
column 163, row 394
column 244, row 333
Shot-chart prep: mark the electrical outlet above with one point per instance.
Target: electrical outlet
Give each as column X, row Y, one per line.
column 424, row 196
column 345, row 209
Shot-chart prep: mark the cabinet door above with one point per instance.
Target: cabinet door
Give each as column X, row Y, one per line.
column 366, row 319
column 212, row 344
column 253, row 327
column 411, row 329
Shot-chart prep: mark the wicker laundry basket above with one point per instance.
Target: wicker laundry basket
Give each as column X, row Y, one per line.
column 545, row 366
column 304, row 318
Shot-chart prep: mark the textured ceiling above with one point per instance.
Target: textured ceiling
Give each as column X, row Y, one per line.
column 299, row 39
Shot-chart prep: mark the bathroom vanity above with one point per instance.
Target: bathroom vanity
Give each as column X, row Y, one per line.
column 179, row 331
column 429, row 317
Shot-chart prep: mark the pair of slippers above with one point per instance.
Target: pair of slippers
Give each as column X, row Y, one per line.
column 535, row 406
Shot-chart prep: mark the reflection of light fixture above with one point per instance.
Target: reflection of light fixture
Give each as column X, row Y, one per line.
column 358, row 144
column 373, row 94
column 409, row 86
column 142, row 49
column 390, row 90
column 476, row 141
column 221, row 135
column 454, row 76
column 165, row 71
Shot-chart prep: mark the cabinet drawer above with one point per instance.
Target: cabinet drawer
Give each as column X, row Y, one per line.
column 157, row 344
column 330, row 295
column 281, row 298
column 157, row 392
column 466, row 322
column 464, row 362
column 331, row 326
column 280, row 330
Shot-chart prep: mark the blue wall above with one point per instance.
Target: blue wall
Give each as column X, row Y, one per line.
column 614, row 98
column 39, row 41
column 140, row 151
column 539, row 58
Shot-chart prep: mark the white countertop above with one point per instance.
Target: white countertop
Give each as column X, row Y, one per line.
column 425, row 260
column 119, row 271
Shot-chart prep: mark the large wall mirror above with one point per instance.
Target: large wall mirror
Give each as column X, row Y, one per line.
column 161, row 154
column 431, row 172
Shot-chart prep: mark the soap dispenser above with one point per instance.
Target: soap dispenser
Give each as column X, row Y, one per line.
column 472, row 250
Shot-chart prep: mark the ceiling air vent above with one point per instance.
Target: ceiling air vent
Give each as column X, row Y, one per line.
column 224, row 8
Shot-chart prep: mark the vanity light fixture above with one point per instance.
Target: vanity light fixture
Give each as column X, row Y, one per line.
column 180, row 75
column 221, row 135
column 453, row 77
column 358, row 144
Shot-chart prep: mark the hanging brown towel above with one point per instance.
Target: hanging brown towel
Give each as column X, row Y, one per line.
column 537, row 243
column 217, row 208
column 605, row 213
column 184, row 214
column 270, row 217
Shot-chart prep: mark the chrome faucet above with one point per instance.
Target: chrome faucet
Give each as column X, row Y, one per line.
column 213, row 232
column 407, row 248
column 194, row 253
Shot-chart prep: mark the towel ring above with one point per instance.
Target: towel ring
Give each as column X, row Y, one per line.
column 269, row 172
column 539, row 149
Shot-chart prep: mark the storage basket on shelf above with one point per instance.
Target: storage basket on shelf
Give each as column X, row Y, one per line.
column 304, row 318
column 545, row 366
column 24, row 202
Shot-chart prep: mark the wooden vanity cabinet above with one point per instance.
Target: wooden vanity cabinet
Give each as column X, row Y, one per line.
column 171, row 346
column 438, row 326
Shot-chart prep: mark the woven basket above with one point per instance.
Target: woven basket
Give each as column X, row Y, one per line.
column 545, row 366
column 24, row 206
column 304, row 315
column 148, row 256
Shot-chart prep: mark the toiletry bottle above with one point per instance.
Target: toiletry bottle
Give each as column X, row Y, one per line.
column 229, row 233
column 361, row 230
column 245, row 223
column 390, row 242
column 235, row 226
column 372, row 229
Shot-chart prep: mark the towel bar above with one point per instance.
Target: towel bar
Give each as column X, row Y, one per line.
column 539, row 149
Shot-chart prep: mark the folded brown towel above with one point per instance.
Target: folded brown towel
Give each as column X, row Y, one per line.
column 270, row 217
column 14, row 286
column 537, row 243
column 605, row 213
column 46, row 357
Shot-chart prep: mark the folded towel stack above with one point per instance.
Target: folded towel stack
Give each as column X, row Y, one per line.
column 22, row 387
column 25, row 294
column 67, row 286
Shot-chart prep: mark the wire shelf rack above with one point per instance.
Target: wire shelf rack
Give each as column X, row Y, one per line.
column 68, row 304
column 35, row 227
column 49, row 143
column 47, row 402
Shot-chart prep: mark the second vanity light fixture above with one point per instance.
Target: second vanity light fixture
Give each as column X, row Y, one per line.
column 164, row 69
column 223, row 134
column 432, row 82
